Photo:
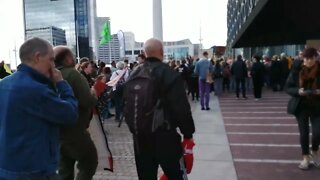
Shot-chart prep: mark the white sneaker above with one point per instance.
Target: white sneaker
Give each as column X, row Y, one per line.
column 305, row 164
column 316, row 159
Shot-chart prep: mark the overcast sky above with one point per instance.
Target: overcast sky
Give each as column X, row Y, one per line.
column 181, row 20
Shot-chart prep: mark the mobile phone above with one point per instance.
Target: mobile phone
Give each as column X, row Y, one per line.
column 309, row 92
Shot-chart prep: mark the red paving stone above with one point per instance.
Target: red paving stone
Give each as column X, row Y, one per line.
column 276, row 153
column 274, row 171
column 250, row 147
column 263, row 139
column 251, row 115
column 259, row 121
column 283, row 129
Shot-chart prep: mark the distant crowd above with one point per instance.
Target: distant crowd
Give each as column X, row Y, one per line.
column 47, row 106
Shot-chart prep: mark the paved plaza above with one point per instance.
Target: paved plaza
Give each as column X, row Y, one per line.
column 245, row 140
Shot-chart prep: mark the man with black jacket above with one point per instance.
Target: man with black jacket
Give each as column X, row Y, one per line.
column 240, row 72
column 257, row 73
column 163, row 147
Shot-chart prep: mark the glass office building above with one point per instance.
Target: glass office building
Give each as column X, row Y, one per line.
column 248, row 35
column 52, row 34
column 68, row 15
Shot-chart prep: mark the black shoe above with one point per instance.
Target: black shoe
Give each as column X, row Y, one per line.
column 111, row 115
column 202, row 109
column 207, row 108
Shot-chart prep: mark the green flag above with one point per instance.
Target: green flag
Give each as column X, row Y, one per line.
column 105, row 34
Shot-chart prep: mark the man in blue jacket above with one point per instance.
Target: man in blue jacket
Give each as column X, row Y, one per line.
column 34, row 102
column 203, row 67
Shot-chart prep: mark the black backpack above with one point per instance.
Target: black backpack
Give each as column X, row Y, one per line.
column 144, row 102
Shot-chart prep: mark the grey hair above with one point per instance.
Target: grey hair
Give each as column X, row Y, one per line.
column 32, row 46
column 120, row 65
column 283, row 54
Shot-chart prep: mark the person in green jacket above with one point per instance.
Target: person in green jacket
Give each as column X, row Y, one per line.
column 76, row 143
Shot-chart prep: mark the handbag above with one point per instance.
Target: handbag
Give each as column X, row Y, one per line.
column 293, row 105
column 209, row 78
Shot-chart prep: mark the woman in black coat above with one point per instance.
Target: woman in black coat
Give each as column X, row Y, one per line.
column 303, row 85
column 257, row 73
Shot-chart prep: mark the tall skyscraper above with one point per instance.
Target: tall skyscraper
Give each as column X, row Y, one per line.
column 72, row 16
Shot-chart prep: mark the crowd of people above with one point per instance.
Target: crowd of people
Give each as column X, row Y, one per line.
column 44, row 128
column 234, row 75
column 49, row 130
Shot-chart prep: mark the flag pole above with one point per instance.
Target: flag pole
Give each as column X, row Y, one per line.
column 77, row 39
column 109, row 41
column 109, row 53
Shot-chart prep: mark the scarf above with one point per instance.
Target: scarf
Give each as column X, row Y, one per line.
column 308, row 77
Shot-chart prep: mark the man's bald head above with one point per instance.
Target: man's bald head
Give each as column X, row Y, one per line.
column 63, row 56
column 153, row 48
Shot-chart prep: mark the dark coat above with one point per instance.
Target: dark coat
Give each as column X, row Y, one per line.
column 300, row 104
column 239, row 69
column 284, row 67
column 275, row 71
column 86, row 101
column 257, row 73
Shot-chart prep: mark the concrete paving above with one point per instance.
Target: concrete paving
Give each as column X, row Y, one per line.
column 212, row 153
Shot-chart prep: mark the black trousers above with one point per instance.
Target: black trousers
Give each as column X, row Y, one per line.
column 303, row 123
column 243, row 87
column 162, row 149
column 193, row 86
column 226, row 84
column 257, row 88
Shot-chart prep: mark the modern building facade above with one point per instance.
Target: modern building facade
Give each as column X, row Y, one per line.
column 111, row 51
column 72, row 16
column 54, row 35
column 132, row 48
column 270, row 26
column 178, row 49
column 172, row 49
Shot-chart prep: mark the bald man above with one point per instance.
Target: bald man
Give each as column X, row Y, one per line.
column 76, row 143
column 162, row 145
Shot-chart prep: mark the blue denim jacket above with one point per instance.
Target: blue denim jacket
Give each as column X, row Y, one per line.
column 32, row 109
column 202, row 68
